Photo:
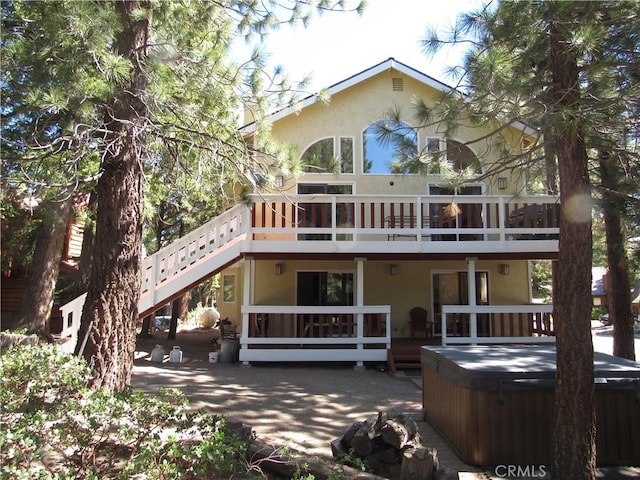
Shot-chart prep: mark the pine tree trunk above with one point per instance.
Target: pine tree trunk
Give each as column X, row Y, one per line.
column 111, row 307
column 42, row 274
column 180, row 305
column 179, row 310
column 619, row 289
column 574, row 423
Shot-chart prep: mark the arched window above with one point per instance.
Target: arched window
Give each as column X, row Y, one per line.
column 458, row 157
column 386, row 144
column 462, row 158
column 321, row 156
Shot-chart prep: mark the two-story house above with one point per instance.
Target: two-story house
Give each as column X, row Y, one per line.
column 328, row 265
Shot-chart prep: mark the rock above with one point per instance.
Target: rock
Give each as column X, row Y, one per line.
column 209, row 318
column 382, row 442
column 419, row 464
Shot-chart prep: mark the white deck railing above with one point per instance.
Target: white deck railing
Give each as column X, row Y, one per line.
column 484, row 324
column 345, row 223
column 171, row 263
column 436, row 223
column 315, row 334
column 71, row 314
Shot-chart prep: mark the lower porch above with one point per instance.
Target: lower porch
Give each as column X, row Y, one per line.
column 362, row 334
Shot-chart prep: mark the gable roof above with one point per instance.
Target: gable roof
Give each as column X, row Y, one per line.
column 370, row 72
column 388, row 64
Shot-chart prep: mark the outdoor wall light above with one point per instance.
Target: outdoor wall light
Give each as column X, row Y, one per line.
column 502, row 183
column 279, row 268
column 393, row 269
column 504, row 269
column 279, row 181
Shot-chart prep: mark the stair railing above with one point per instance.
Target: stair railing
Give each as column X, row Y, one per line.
column 170, row 261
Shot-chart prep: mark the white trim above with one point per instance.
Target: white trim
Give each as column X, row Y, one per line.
column 318, row 181
column 313, row 355
column 443, row 184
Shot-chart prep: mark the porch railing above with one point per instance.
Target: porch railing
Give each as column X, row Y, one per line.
column 463, row 224
column 71, row 315
column 483, row 324
column 174, row 260
column 409, row 218
column 309, row 334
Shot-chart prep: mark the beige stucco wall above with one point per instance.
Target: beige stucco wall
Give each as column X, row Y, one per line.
column 348, row 114
column 411, row 287
column 512, row 289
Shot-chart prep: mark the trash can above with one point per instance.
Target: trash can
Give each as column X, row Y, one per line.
column 230, row 351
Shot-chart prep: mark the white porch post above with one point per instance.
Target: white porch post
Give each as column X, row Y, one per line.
column 247, row 298
column 471, row 281
column 360, row 303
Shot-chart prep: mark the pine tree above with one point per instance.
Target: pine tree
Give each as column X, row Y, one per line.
column 543, row 64
column 116, row 84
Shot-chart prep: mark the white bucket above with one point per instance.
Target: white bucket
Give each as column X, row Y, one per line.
column 157, row 354
column 213, row 357
column 175, row 355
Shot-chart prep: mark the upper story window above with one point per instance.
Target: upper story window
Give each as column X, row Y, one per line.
column 462, row 158
column 321, row 156
column 346, row 155
column 458, row 156
column 433, row 146
column 439, row 156
column 386, row 144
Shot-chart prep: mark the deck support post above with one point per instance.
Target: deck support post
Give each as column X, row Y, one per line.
column 473, row 318
column 360, row 303
column 247, row 298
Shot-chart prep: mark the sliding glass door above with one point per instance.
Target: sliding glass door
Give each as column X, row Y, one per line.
column 452, row 288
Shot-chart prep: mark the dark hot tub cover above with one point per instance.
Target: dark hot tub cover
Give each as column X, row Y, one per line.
column 505, row 367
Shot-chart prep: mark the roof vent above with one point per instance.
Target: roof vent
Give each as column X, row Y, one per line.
column 397, row 84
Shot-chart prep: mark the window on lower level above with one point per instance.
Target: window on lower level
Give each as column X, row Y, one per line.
column 325, row 288
column 229, row 288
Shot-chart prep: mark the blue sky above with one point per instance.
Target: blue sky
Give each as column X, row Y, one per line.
column 337, row 45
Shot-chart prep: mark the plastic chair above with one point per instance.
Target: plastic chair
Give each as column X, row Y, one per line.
column 418, row 323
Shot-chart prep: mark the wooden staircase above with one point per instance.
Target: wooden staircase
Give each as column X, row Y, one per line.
column 177, row 268
column 404, row 353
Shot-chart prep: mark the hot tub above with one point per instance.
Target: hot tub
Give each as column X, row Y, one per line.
column 494, row 404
